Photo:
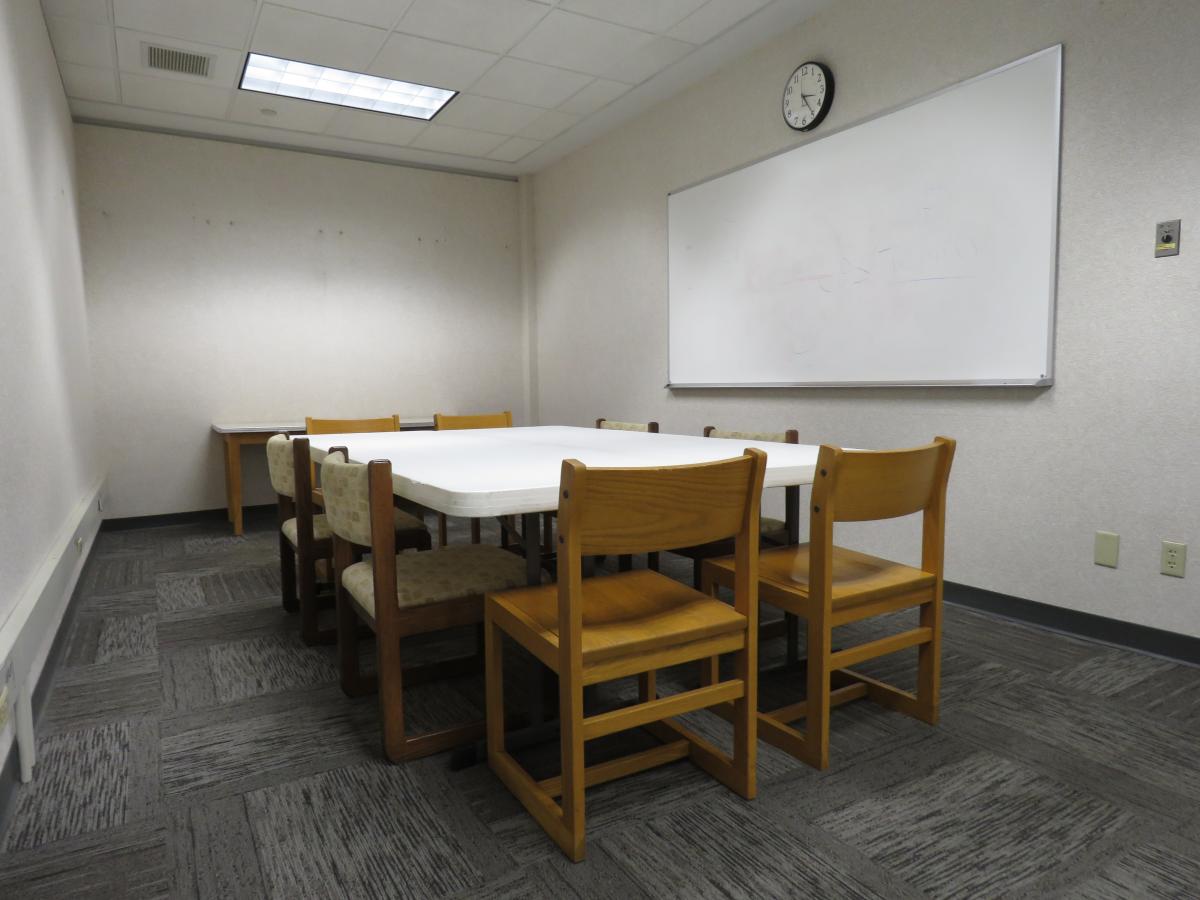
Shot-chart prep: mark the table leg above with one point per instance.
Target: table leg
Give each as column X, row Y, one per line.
column 792, row 517
column 225, row 458
column 235, row 483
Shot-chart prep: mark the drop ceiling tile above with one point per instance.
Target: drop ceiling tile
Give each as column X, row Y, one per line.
column 462, row 141
column 380, row 13
column 87, row 10
column 375, row 127
column 82, row 43
column 89, row 83
column 576, row 42
column 224, row 71
column 316, row 39
column 294, row 115
column 484, row 114
column 423, row 61
column 174, row 96
column 493, row 25
column 514, row 149
column 551, row 124
column 649, row 60
column 656, row 16
column 713, row 18
column 595, row 96
column 223, row 22
column 532, row 83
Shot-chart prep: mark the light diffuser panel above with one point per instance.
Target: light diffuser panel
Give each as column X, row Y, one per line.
column 304, row 81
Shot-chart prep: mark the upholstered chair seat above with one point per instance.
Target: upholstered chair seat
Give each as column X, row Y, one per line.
column 459, row 570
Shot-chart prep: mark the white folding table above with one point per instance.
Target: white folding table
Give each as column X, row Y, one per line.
column 485, row 472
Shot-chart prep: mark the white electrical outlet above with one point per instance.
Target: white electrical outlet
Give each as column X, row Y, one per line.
column 1107, row 549
column 1174, row 559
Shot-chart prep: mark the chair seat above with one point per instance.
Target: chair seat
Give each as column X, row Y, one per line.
column 631, row 612
column 856, row 576
column 322, row 532
column 431, row 576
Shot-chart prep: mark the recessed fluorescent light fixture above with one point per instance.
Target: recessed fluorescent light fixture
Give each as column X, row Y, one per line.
column 304, row 81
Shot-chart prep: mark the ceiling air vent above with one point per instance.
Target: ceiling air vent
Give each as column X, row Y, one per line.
column 180, row 61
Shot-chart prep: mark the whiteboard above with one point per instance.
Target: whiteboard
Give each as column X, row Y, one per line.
column 915, row 248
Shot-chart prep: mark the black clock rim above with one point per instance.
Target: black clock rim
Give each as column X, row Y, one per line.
column 820, row 117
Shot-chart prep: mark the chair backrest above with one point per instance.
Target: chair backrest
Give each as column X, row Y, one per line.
column 280, row 466
column 791, row 436
column 346, row 486
column 866, row 485
column 351, row 426
column 616, row 511
column 442, row 422
column 649, row 427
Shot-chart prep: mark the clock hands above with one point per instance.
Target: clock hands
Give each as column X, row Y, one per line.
column 805, row 97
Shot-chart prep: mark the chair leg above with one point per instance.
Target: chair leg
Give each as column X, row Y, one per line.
column 287, row 574
column 624, row 562
column 929, row 663
column 475, row 531
column 793, row 637
column 493, row 649
column 391, row 695
column 573, row 772
column 816, row 723
column 648, row 686
column 697, row 576
column 442, row 530
column 309, row 624
column 745, row 718
column 353, row 683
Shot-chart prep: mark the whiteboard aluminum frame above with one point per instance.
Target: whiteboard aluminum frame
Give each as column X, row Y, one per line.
column 1045, row 381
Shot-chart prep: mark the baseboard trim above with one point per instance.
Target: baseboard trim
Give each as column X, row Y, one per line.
column 34, row 636
column 1168, row 644
column 194, row 517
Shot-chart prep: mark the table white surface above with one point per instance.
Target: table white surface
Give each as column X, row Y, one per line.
column 512, row 471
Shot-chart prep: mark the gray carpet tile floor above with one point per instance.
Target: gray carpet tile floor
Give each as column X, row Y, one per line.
column 193, row 747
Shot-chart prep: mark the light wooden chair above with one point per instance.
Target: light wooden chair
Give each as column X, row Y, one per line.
column 351, row 426
column 633, row 623
column 830, row 586
column 401, row 595
column 443, row 422
column 304, row 535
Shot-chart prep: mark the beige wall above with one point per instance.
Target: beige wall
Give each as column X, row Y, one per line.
column 46, row 424
column 1111, row 446
column 236, row 283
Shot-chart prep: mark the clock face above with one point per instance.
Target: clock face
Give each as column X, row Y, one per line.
column 808, row 96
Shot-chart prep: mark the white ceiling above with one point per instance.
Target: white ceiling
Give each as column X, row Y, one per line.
column 538, row 78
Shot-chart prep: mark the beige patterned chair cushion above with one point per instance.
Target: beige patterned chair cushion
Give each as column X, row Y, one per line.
column 429, row 576
column 281, row 465
column 322, row 531
column 347, row 499
column 778, row 437
column 625, row 426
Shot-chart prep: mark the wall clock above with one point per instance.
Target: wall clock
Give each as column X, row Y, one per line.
column 808, row 96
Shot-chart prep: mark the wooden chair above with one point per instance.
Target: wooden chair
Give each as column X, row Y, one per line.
column 304, row 535
column 443, row 422
column 633, row 623
column 830, row 586
column 401, row 595
column 351, row 426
